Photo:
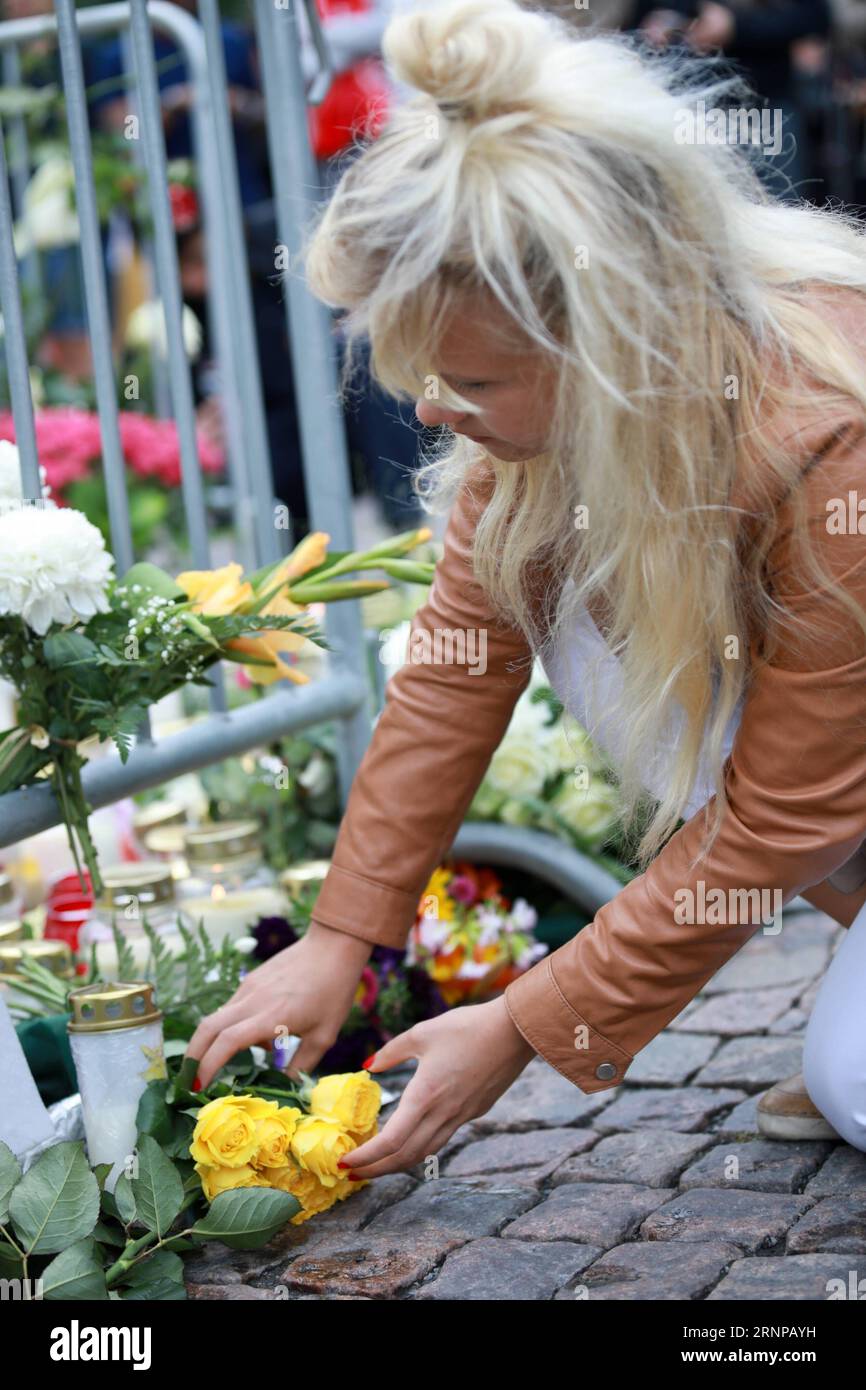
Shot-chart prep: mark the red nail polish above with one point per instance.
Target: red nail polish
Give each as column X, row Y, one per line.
column 341, row 1163
column 353, row 1177
column 369, row 1060
column 196, row 1085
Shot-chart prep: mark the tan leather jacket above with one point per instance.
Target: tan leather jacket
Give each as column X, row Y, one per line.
column 796, row 782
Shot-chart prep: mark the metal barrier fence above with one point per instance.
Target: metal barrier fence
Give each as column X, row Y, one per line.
column 342, row 693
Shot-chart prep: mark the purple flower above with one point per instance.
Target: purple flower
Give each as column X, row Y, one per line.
column 272, row 934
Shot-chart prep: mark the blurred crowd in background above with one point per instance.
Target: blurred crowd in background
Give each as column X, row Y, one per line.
column 805, row 58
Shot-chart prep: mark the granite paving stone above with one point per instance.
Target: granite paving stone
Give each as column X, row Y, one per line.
column 659, row 1188
column 508, row 1269
column 653, row 1157
column 754, row 1220
column 581, row 1211
column 762, row 1165
column 652, row 1271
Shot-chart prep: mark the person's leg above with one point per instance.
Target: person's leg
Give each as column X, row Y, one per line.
column 834, row 1052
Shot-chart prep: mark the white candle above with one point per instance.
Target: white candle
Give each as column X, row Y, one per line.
column 115, row 1057
column 225, row 913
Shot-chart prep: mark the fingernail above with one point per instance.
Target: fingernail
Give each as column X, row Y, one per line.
column 353, row 1177
column 370, row 1059
column 341, row 1163
column 196, row 1085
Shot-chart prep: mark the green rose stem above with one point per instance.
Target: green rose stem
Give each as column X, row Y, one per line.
column 137, row 1250
column 66, row 777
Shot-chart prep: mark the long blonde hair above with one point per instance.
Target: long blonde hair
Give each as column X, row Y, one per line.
column 539, row 163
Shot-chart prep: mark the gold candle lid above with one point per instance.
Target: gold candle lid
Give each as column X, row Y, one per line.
column 7, row 888
column 224, row 840
column 297, row 876
column 165, row 839
column 11, row 931
column 56, row 956
column 101, row 1008
column 147, row 882
column 158, row 813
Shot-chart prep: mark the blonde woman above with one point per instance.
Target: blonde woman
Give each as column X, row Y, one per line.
column 653, row 380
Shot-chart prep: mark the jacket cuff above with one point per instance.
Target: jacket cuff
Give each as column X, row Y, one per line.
column 372, row 911
column 556, row 1031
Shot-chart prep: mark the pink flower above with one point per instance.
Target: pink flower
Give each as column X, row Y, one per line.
column 463, row 889
column 69, row 444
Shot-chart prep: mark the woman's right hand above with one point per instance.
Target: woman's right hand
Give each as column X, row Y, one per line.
column 306, row 989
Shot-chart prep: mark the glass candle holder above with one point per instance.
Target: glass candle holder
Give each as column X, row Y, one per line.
column 230, row 887
column 159, row 831
column 11, row 931
column 115, row 1035
column 56, row 956
column 132, row 895
column 300, row 879
column 11, row 902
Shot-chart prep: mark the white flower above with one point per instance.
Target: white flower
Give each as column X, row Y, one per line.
column 523, row 917
column 39, row 737
column 521, row 764
column 145, row 328
column 533, row 952
column 432, row 933
column 54, row 567
column 316, row 777
column 473, row 969
column 10, row 473
column 49, row 217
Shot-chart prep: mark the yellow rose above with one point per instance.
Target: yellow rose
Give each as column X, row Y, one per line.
column 217, row 1180
column 225, row 1132
column 351, row 1098
column 312, row 1196
column 273, row 1135
column 317, row 1144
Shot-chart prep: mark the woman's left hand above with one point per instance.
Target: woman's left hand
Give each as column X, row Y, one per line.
column 466, row 1059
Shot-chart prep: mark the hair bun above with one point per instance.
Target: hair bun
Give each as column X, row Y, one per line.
column 476, row 58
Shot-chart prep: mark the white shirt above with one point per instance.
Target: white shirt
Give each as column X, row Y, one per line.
column 587, row 676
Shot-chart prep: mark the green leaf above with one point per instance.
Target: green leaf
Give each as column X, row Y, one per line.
column 154, row 1116
column 247, row 1217
column 10, row 1176
column 178, row 1145
column 101, row 1172
column 124, row 1199
column 68, row 648
column 187, row 1073
column 57, row 1201
column 152, row 580
column 126, row 969
column 180, row 1243
column 160, row 1290
column 76, row 1273
column 162, row 1264
column 158, row 1190
column 106, row 1236
column 11, row 1263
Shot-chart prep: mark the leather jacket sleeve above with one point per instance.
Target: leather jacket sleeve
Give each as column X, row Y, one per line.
column 796, row 786
column 442, row 721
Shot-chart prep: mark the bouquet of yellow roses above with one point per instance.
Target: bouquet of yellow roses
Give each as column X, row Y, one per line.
column 250, row 1141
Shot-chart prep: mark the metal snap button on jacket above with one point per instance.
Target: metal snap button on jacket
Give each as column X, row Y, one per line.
column 605, row 1071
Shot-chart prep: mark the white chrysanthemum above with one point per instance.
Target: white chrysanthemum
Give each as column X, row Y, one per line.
column 49, row 216
column 10, row 473
column 54, row 567
column 145, row 328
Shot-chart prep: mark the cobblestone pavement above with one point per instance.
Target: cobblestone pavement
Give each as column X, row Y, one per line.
column 631, row 1193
